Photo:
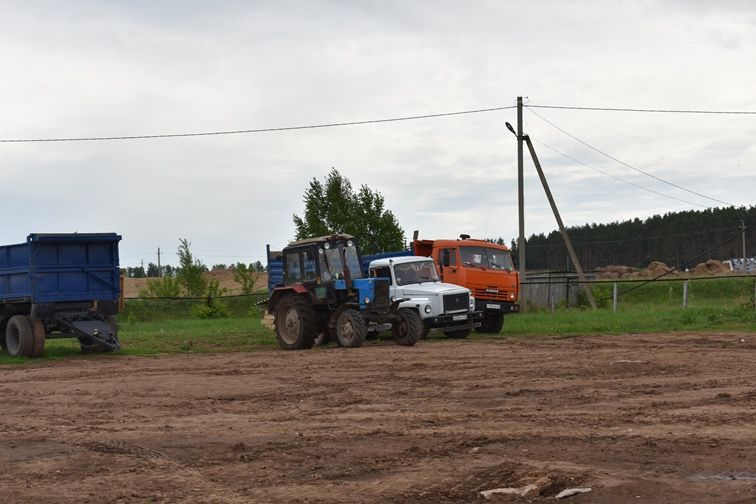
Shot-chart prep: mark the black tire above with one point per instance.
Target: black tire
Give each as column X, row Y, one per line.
column 409, row 329
column 462, row 333
column 3, row 328
column 426, row 330
column 296, row 327
column 492, row 323
column 91, row 346
column 19, row 337
column 350, row 329
column 38, row 332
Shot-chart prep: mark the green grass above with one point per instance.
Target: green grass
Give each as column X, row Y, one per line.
column 153, row 327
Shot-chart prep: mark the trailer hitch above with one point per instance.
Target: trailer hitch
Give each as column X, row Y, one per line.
column 89, row 327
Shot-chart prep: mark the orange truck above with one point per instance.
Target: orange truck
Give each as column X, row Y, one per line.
column 483, row 267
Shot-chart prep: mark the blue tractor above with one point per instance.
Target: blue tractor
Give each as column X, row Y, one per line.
column 322, row 294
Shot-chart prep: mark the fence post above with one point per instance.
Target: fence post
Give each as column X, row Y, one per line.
column 614, row 297
column 685, row 294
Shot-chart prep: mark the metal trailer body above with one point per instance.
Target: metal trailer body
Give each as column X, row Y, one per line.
column 59, row 285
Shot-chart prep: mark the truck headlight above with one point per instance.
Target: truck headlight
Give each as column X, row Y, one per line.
column 427, row 309
column 472, row 303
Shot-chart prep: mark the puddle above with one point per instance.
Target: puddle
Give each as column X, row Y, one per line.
column 722, row 477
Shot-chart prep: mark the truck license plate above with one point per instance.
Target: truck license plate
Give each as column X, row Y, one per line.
column 455, row 318
column 493, row 307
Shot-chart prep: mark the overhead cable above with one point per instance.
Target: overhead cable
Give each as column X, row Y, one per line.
column 658, row 111
column 626, row 164
column 258, row 130
column 618, row 178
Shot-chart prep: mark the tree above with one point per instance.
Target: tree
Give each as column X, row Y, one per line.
column 191, row 270
column 334, row 207
column 245, row 277
column 258, row 267
column 152, row 270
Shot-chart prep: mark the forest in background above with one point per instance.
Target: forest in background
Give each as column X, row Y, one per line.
column 675, row 238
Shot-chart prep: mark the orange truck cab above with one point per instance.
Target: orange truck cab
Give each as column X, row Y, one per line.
column 483, row 267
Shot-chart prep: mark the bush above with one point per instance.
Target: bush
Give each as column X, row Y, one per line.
column 165, row 287
column 214, row 310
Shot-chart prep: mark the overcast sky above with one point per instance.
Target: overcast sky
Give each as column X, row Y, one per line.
column 77, row 68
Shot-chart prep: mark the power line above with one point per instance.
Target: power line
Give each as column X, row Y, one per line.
column 626, row 164
column 618, row 178
column 658, row 111
column 259, row 130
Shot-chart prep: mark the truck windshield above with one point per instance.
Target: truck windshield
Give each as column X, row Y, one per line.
column 335, row 266
column 484, row 257
column 415, row 272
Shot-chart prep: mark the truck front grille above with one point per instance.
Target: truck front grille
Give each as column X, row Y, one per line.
column 493, row 294
column 456, row 302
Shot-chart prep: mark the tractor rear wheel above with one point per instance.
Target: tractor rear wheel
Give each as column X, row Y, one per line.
column 408, row 329
column 19, row 336
column 295, row 323
column 350, row 329
column 492, row 323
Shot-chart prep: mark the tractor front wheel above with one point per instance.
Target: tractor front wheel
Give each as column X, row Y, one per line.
column 295, row 323
column 350, row 329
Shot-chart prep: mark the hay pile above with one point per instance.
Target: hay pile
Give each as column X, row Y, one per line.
column 712, row 267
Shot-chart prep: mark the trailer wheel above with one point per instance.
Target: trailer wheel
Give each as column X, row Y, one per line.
column 462, row 333
column 295, row 323
column 89, row 345
column 38, row 332
column 492, row 323
column 350, row 329
column 408, row 329
column 19, row 337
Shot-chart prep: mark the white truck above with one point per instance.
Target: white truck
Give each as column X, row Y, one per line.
column 437, row 305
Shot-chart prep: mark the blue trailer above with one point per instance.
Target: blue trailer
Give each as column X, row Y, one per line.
column 59, row 286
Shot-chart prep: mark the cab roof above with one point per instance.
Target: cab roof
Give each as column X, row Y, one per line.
column 398, row 260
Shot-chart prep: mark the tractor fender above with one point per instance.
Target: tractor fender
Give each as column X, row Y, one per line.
column 279, row 292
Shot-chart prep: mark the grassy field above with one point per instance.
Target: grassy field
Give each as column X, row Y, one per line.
column 153, row 327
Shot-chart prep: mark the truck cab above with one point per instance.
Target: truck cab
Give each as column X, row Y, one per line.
column 485, row 268
column 414, row 281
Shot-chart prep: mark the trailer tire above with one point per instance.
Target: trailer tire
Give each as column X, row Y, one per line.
column 350, row 329
column 90, row 346
column 19, row 337
column 492, row 323
column 38, row 332
column 295, row 323
column 459, row 334
column 408, row 329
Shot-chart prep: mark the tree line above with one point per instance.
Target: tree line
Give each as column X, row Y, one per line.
column 675, row 238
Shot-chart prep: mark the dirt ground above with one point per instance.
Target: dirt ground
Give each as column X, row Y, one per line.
column 651, row 418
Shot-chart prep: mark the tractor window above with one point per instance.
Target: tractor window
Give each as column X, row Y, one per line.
column 309, row 266
column 293, row 273
column 381, row 272
column 324, row 274
column 336, row 267
column 353, row 261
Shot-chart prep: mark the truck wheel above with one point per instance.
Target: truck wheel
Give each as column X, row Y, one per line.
column 462, row 333
column 492, row 323
column 19, row 337
column 350, row 329
column 89, row 345
column 295, row 323
column 38, row 331
column 426, row 330
column 408, row 329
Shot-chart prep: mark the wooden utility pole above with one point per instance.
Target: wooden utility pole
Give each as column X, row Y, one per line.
column 160, row 269
column 562, row 229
